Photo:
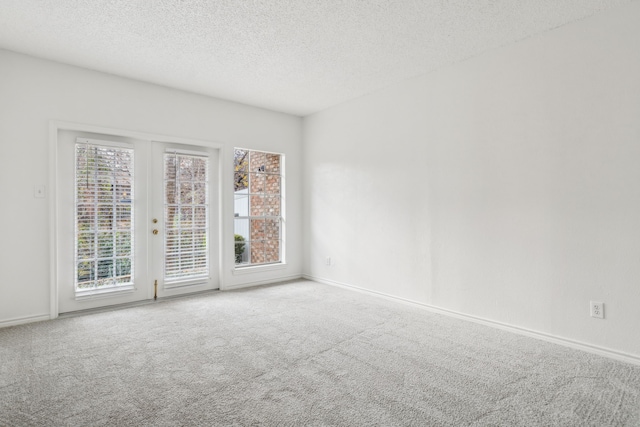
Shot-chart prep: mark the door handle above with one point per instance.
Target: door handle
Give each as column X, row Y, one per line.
column 155, row 231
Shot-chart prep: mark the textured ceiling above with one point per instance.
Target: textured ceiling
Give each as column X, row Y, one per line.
column 295, row 56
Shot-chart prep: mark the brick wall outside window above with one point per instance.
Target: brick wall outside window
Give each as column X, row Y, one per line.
column 258, row 202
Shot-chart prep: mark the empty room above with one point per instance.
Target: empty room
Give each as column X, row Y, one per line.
column 320, row 213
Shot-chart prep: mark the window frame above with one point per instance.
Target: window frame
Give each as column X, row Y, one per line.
column 171, row 277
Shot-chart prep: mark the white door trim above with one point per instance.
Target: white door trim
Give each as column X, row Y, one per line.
column 55, row 126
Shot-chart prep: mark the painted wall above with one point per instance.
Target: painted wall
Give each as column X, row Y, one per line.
column 34, row 91
column 505, row 187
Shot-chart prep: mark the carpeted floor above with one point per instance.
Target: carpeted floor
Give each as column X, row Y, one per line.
column 300, row 353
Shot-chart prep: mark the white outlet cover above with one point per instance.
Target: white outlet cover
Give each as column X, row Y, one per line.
column 596, row 309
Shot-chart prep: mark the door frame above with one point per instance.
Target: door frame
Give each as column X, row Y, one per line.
column 55, row 126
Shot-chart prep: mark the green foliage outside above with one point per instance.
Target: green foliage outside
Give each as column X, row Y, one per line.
column 239, row 250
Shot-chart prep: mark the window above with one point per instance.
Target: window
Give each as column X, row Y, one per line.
column 186, row 211
column 258, row 227
column 103, row 217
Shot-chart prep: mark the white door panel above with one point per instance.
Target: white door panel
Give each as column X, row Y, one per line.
column 184, row 253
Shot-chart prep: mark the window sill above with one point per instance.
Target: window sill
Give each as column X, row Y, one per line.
column 258, row 268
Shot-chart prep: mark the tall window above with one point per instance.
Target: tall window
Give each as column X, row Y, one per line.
column 258, row 207
column 186, row 216
column 103, row 220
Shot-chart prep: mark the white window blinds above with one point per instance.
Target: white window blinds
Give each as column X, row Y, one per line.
column 104, row 215
column 186, row 211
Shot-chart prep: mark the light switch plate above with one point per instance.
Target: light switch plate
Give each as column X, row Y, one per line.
column 39, row 191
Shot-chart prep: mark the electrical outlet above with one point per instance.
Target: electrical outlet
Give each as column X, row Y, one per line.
column 328, row 261
column 597, row 309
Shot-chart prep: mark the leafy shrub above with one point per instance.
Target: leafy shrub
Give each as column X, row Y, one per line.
column 239, row 250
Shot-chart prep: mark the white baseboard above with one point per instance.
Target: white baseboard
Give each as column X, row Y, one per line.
column 22, row 320
column 262, row 282
column 41, row 317
column 601, row 351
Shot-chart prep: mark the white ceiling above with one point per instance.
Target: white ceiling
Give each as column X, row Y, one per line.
column 295, row 56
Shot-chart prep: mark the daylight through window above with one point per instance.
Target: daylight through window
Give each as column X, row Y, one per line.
column 186, row 210
column 103, row 220
column 258, row 218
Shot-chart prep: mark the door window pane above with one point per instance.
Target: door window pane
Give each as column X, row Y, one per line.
column 186, row 238
column 103, row 220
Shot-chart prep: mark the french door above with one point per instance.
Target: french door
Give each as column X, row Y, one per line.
column 184, row 219
column 136, row 220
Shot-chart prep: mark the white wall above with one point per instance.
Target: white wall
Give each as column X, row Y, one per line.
column 505, row 187
column 34, row 91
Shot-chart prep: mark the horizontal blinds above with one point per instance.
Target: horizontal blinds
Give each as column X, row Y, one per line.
column 104, row 215
column 186, row 209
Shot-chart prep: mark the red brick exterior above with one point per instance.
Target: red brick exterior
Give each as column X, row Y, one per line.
column 264, row 181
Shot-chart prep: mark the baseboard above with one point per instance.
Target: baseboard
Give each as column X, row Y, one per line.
column 262, row 282
column 23, row 320
column 39, row 318
column 577, row 345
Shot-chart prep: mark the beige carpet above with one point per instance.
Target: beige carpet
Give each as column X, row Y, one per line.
column 300, row 353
